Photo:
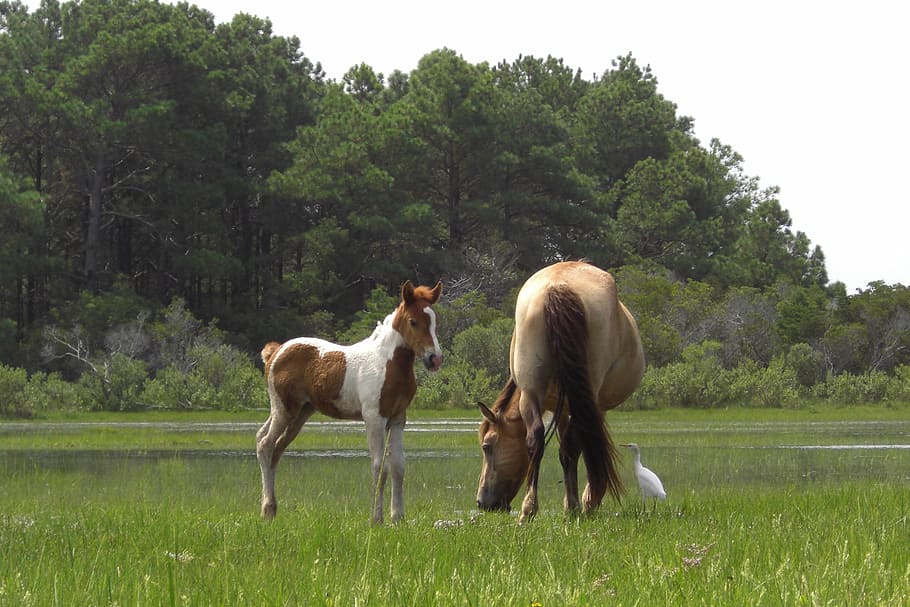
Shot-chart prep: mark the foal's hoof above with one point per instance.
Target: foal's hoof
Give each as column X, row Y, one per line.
column 269, row 511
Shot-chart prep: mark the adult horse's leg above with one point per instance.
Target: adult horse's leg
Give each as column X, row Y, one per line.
column 569, row 451
column 396, row 463
column 529, row 406
column 376, row 436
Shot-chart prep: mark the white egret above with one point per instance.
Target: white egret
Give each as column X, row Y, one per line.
column 648, row 482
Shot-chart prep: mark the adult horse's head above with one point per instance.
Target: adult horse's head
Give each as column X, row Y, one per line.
column 505, row 453
column 415, row 319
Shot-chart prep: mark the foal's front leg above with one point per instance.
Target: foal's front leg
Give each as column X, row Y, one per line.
column 396, row 462
column 376, row 436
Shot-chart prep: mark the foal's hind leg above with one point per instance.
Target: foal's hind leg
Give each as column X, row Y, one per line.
column 265, row 447
column 291, row 431
column 271, row 440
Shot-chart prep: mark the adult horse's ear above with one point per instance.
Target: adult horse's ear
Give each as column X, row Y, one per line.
column 436, row 292
column 486, row 412
column 407, row 292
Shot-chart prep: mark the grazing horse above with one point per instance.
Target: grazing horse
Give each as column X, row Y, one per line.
column 574, row 342
column 372, row 380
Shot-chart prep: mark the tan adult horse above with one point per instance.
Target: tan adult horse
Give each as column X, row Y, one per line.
column 573, row 342
column 372, row 380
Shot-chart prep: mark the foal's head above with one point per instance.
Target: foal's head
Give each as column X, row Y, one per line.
column 415, row 319
column 505, row 454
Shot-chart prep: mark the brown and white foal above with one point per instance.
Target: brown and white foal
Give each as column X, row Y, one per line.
column 372, row 380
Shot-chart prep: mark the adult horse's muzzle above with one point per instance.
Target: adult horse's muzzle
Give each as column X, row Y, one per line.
column 491, row 502
column 500, row 506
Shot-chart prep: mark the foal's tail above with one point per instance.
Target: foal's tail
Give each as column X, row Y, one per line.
column 268, row 350
column 567, row 335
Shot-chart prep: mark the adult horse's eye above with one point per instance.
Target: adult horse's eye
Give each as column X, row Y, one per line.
column 487, row 448
column 413, row 322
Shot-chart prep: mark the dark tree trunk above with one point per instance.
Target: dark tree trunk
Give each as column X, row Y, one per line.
column 93, row 232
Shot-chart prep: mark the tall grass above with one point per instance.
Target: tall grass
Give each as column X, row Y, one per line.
column 741, row 526
column 842, row 545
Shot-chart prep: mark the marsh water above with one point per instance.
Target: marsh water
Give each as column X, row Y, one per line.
column 443, row 456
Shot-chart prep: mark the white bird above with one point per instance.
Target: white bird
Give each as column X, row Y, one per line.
column 648, row 482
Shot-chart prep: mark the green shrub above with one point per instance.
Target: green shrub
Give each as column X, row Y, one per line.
column 226, row 378
column 115, row 384
column 807, row 364
column 698, row 381
column 850, row 389
column 221, row 377
column 455, row 385
column 486, row 348
column 464, row 312
column 169, row 389
column 899, row 386
column 24, row 396
column 773, row 386
column 13, row 401
column 652, row 393
column 50, row 392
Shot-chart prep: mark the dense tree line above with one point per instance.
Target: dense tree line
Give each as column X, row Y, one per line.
column 150, row 158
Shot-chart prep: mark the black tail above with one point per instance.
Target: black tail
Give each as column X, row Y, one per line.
column 567, row 334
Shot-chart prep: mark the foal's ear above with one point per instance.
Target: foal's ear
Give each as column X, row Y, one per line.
column 435, row 292
column 486, row 412
column 407, row 292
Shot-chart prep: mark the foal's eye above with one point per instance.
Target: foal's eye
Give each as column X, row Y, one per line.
column 413, row 322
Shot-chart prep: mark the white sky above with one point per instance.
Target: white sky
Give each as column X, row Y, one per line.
column 813, row 95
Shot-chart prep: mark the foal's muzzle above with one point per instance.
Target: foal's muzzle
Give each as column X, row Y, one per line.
column 432, row 361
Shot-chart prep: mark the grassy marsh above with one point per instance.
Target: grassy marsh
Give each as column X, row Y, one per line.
column 753, row 517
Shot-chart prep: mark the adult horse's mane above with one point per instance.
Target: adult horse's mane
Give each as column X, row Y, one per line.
column 505, row 397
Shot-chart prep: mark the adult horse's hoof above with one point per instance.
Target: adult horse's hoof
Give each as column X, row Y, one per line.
column 528, row 510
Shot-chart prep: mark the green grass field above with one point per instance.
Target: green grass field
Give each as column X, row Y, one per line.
column 164, row 511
